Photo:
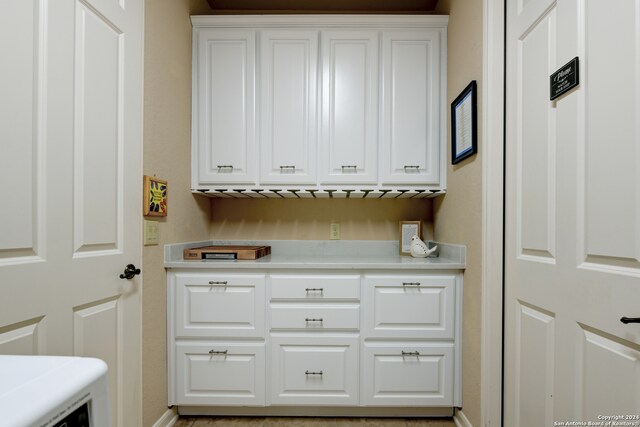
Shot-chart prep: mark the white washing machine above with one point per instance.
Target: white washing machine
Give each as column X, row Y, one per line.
column 52, row 391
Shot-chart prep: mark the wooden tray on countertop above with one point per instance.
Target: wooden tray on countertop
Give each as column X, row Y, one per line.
column 226, row 252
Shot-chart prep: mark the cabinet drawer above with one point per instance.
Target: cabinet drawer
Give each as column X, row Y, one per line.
column 318, row 317
column 314, row 371
column 314, row 287
column 229, row 305
column 415, row 374
column 409, row 306
column 220, row 374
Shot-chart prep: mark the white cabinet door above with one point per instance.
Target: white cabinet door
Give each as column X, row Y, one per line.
column 220, row 373
column 314, row 370
column 348, row 145
column 288, row 107
column 411, row 374
column 411, row 122
column 420, row 307
column 224, row 148
column 230, row 305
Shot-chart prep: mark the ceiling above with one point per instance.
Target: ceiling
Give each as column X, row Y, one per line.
column 323, row 6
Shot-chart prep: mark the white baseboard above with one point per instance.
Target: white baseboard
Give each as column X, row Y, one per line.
column 460, row 419
column 167, row 419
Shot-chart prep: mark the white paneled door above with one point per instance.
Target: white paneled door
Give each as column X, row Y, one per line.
column 70, row 175
column 572, row 214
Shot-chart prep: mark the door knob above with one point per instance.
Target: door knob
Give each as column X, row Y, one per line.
column 129, row 272
column 626, row 320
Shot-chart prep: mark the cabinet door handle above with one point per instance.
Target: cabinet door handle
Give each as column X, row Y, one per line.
column 321, row 290
column 410, row 283
column 410, row 353
column 223, row 352
column 287, row 169
column 223, row 284
column 409, row 167
column 220, row 167
column 313, row 373
column 627, row 320
column 309, row 319
column 354, row 167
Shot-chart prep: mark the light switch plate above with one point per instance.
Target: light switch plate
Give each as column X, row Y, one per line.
column 151, row 233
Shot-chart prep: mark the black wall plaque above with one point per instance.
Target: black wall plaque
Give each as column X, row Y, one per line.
column 565, row 79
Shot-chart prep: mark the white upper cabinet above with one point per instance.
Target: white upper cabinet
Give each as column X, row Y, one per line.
column 223, row 131
column 289, row 61
column 349, row 107
column 319, row 102
column 411, row 150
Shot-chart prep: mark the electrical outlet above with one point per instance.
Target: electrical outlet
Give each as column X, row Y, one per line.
column 151, row 234
column 334, row 234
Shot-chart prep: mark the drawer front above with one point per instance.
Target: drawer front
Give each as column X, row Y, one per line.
column 220, row 306
column 409, row 306
column 315, row 288
column 314, row 371
column 220, row 374
column 408, row 375
column 315, row 317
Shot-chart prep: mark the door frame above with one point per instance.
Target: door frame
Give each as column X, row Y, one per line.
column 493, row 137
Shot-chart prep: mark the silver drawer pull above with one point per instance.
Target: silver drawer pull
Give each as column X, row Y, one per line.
column 212, row 283
column 410, row 353
column 224, row 352
column 410, row 283
column 314, row 290
column 287, row 169
column 354, row 167
column 313, row 373
column 225, row 167
column 408, row 167
column 309, row 319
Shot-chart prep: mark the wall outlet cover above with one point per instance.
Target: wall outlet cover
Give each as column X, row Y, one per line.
column 334, row 234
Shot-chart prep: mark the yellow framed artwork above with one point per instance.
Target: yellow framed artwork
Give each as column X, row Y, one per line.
column 154, row 196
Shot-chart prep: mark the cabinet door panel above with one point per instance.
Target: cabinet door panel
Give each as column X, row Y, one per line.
column 224, row 110
column 288, row 109
column 414, row 374
column 314, row 371
column 220, row 374
column 411, row 133
column 349, row 107
column 219, row 306
column 409, row 306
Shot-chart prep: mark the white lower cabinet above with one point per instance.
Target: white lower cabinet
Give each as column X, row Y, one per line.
column 314, row 370
column 220, row 373
column 408, row 374
column 306, row 338
column 409, row 306
column 225, row 305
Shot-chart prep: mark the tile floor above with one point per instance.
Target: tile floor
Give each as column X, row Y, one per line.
column 311, row 422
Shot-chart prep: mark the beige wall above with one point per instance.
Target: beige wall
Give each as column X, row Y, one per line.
column 458, row 215
column 167, row 106
column 311, row 219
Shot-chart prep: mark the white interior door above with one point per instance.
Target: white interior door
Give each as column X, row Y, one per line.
column 70, row 180
column 572, row 213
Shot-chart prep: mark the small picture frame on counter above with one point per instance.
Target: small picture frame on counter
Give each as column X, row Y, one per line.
column 408, row 229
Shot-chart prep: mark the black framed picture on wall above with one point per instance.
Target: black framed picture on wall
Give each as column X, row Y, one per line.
column 464, row 124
